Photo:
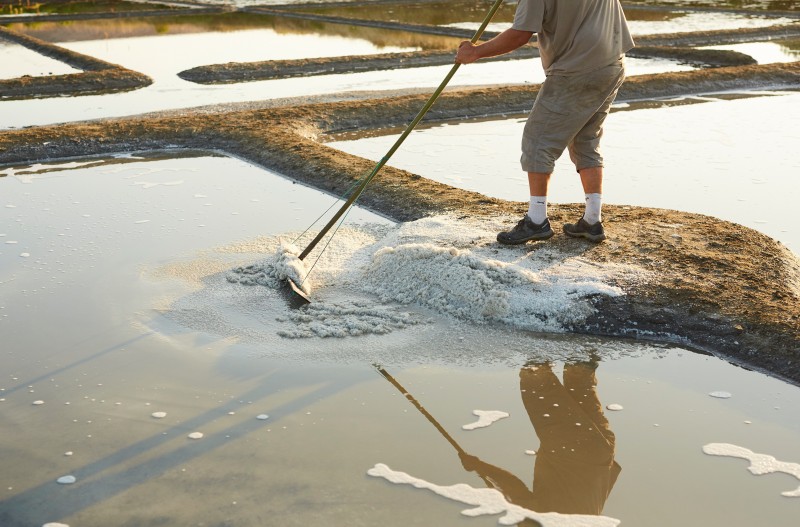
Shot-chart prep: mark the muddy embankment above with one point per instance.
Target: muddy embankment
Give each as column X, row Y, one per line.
column 715, row 285
column 98, row 76
column 680, row 47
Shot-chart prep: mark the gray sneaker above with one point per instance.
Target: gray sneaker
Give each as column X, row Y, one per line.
column 525, row 231
column 582, row 229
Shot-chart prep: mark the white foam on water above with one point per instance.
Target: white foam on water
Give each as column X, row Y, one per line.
column 485, row 418
column 262, row 417
column 55, row 524
column 614, row 407
column 721, row 395
column 450, row 265
column 760, row 464
column 38, row 403
column 159, row 415
column 195, row 435
column 491, row 501
column 66, row 480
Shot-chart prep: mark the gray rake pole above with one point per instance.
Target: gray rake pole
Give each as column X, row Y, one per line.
column 360, row 188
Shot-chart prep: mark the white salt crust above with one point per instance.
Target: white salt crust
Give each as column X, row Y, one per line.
column 491, row 501
column 760, row 464
column 485, row 418
column 452, row 266
column 275, row 271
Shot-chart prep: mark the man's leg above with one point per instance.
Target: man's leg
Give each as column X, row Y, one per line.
column 592, row 181
column 537, row 209
column 584, row 150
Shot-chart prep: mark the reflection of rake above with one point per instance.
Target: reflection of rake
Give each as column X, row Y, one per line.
column 386, row 375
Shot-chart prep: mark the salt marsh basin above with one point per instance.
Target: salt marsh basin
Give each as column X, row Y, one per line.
column 104, row 353
column 153, row 373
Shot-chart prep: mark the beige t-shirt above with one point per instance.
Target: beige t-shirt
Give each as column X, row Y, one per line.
column 575, row 36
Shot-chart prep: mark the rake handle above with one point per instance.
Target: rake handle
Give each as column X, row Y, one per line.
column 361, row 186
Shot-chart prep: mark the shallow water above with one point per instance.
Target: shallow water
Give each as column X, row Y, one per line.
column 188, row 50
column 102, row 252
column 17, row 61
column 644, row 23
column 767, row 52
column 732, row 159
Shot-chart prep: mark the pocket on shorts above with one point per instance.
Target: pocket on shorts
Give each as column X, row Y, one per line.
column 553, row 96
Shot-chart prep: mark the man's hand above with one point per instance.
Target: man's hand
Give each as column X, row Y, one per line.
column 466, row 53
column 505, row 42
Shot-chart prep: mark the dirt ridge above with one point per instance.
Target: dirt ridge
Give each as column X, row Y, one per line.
column 716, row 286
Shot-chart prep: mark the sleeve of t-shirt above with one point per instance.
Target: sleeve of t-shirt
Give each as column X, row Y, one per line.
column 529, row 15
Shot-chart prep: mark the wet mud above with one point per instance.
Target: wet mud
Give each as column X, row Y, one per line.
column 98, row 76
column 716, row 286
column 233, row 72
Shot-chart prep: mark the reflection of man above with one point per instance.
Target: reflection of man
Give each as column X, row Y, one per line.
column 575, row 468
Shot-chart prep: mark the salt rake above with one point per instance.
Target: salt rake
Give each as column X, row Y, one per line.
column 297, row 296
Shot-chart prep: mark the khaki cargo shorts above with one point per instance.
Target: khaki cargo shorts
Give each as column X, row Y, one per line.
column 569, row 113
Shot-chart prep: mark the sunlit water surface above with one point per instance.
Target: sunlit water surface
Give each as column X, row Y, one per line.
column 99, row 383
column 168, row 91
column 733, row 159
column 18, row 61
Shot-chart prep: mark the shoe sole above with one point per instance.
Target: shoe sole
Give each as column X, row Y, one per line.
column 538, row 237
column 596, row 238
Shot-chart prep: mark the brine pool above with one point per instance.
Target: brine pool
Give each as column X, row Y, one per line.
column 186, row 51
column 157, row 391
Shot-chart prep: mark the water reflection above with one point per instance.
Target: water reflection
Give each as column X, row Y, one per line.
column 575, row 468
column 81, row 30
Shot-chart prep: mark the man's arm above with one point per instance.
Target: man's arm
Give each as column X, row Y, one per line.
column 505, row 42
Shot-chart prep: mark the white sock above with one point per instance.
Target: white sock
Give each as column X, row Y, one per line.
column 594, row 204
column 537, row 210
